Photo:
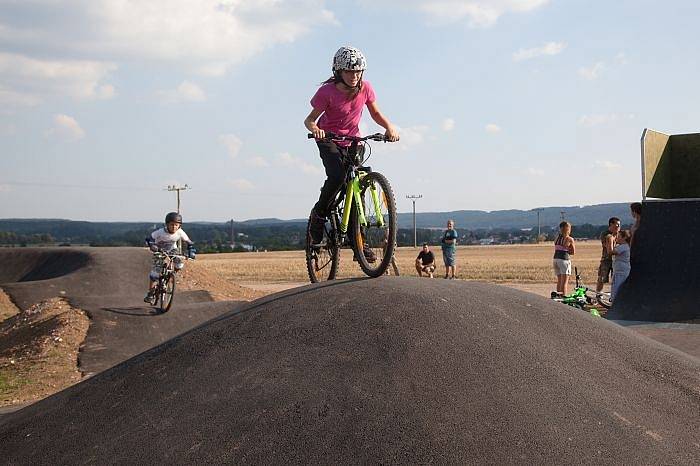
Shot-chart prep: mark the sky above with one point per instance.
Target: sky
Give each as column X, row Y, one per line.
column 500, row 104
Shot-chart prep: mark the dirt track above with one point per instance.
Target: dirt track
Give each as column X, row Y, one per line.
column 108, row 284
column 380, row 371
column 394, row 369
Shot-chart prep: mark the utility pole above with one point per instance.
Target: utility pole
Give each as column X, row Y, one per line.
column 414, row 197
column 538, row 210
column 233, row 238
column 178, row 189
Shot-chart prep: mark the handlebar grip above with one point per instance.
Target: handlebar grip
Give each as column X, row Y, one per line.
column 328, row 135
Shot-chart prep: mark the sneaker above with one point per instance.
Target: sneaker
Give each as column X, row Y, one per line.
column 316, row 230
column 368, row 253
column 149, row 297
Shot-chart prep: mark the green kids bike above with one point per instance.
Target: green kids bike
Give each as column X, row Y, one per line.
column 583, row 297
column 362, row 216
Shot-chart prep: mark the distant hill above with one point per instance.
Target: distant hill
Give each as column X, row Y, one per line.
column 550, row 216
column 81, row 231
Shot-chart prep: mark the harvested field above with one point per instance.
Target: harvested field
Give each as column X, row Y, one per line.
column 529, row 263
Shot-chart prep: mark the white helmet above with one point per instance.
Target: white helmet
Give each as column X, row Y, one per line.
column 349, row 58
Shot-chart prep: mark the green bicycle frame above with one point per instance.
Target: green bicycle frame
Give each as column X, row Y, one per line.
column 352, row 194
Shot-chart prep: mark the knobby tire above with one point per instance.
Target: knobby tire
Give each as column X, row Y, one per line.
column 381, row 241
column 322, row 262
column 166, row 291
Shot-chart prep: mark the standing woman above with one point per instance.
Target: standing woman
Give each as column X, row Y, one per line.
column 449, row 249
column 563, row 250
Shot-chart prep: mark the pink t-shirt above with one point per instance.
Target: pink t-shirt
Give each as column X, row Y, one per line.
column 341, row 115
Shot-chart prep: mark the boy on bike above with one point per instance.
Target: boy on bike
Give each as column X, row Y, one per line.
column 166, row 239
column 338, row 105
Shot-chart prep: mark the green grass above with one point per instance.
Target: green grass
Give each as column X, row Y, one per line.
column 10, row 383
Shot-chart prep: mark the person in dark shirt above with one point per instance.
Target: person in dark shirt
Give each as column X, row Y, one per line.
column 425, row 262
column 607, row 241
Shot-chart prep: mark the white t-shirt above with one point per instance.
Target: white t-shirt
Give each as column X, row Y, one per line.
column 167, row 241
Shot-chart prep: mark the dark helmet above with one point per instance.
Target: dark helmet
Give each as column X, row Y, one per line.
column 173, row 217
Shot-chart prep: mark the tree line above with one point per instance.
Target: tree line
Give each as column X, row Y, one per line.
column 212, row 238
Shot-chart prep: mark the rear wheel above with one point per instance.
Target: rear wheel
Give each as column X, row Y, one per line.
column 374, row 243
column 166, row 291
column 322, row 261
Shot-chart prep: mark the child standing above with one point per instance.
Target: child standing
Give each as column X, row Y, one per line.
column 564, row 248
column 166, row 239
column 338, row 105
column 621, row 262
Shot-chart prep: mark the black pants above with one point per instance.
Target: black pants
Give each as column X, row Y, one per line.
column 332, row 157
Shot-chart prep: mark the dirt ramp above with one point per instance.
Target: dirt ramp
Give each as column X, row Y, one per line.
column 391, row 370
column 32, row 264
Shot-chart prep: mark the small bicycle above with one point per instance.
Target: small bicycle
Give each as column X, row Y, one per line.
column 164, row 292
column 582, row 296
column 363, row 216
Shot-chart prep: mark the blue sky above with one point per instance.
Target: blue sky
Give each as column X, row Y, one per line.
column 500, row 103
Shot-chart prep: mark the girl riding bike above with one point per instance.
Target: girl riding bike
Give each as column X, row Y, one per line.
column 339, row 103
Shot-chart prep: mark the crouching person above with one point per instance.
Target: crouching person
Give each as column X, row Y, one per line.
column 425, row 262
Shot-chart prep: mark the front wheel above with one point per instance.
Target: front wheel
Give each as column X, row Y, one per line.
column 166, row 291
column 322, row 260
column 604, row 300
column 375, row 241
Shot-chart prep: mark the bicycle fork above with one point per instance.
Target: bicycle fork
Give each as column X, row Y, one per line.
column 352, row 194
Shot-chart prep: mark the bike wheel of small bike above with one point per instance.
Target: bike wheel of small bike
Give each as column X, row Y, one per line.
column 321, row 262
column 604, row 300
column 378, row 238
column 166, row 291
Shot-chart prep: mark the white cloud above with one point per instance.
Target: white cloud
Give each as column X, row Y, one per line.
column 550, row 48
column 535, row 171
column 242, row 185
column 621, row 59
column 257, row 162
column 186, row 92
column 286, row 159
column 479, row 13
column 448, row 124
column 206, row 36
column 66, row 128
column 232, row 143
column 492, row 128
column 411, row 136
column 607, row 165
column 28, row 81
column 603, row 119
column 5, row 188
column 592, row 72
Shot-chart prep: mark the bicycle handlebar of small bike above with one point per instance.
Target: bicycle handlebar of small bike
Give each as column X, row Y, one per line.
column 165, row 253
column 337, row 137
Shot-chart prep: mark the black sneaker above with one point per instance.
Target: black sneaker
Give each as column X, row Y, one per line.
column 316, row 230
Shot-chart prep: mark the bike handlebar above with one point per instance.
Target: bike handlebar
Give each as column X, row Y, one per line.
column 337, row 137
